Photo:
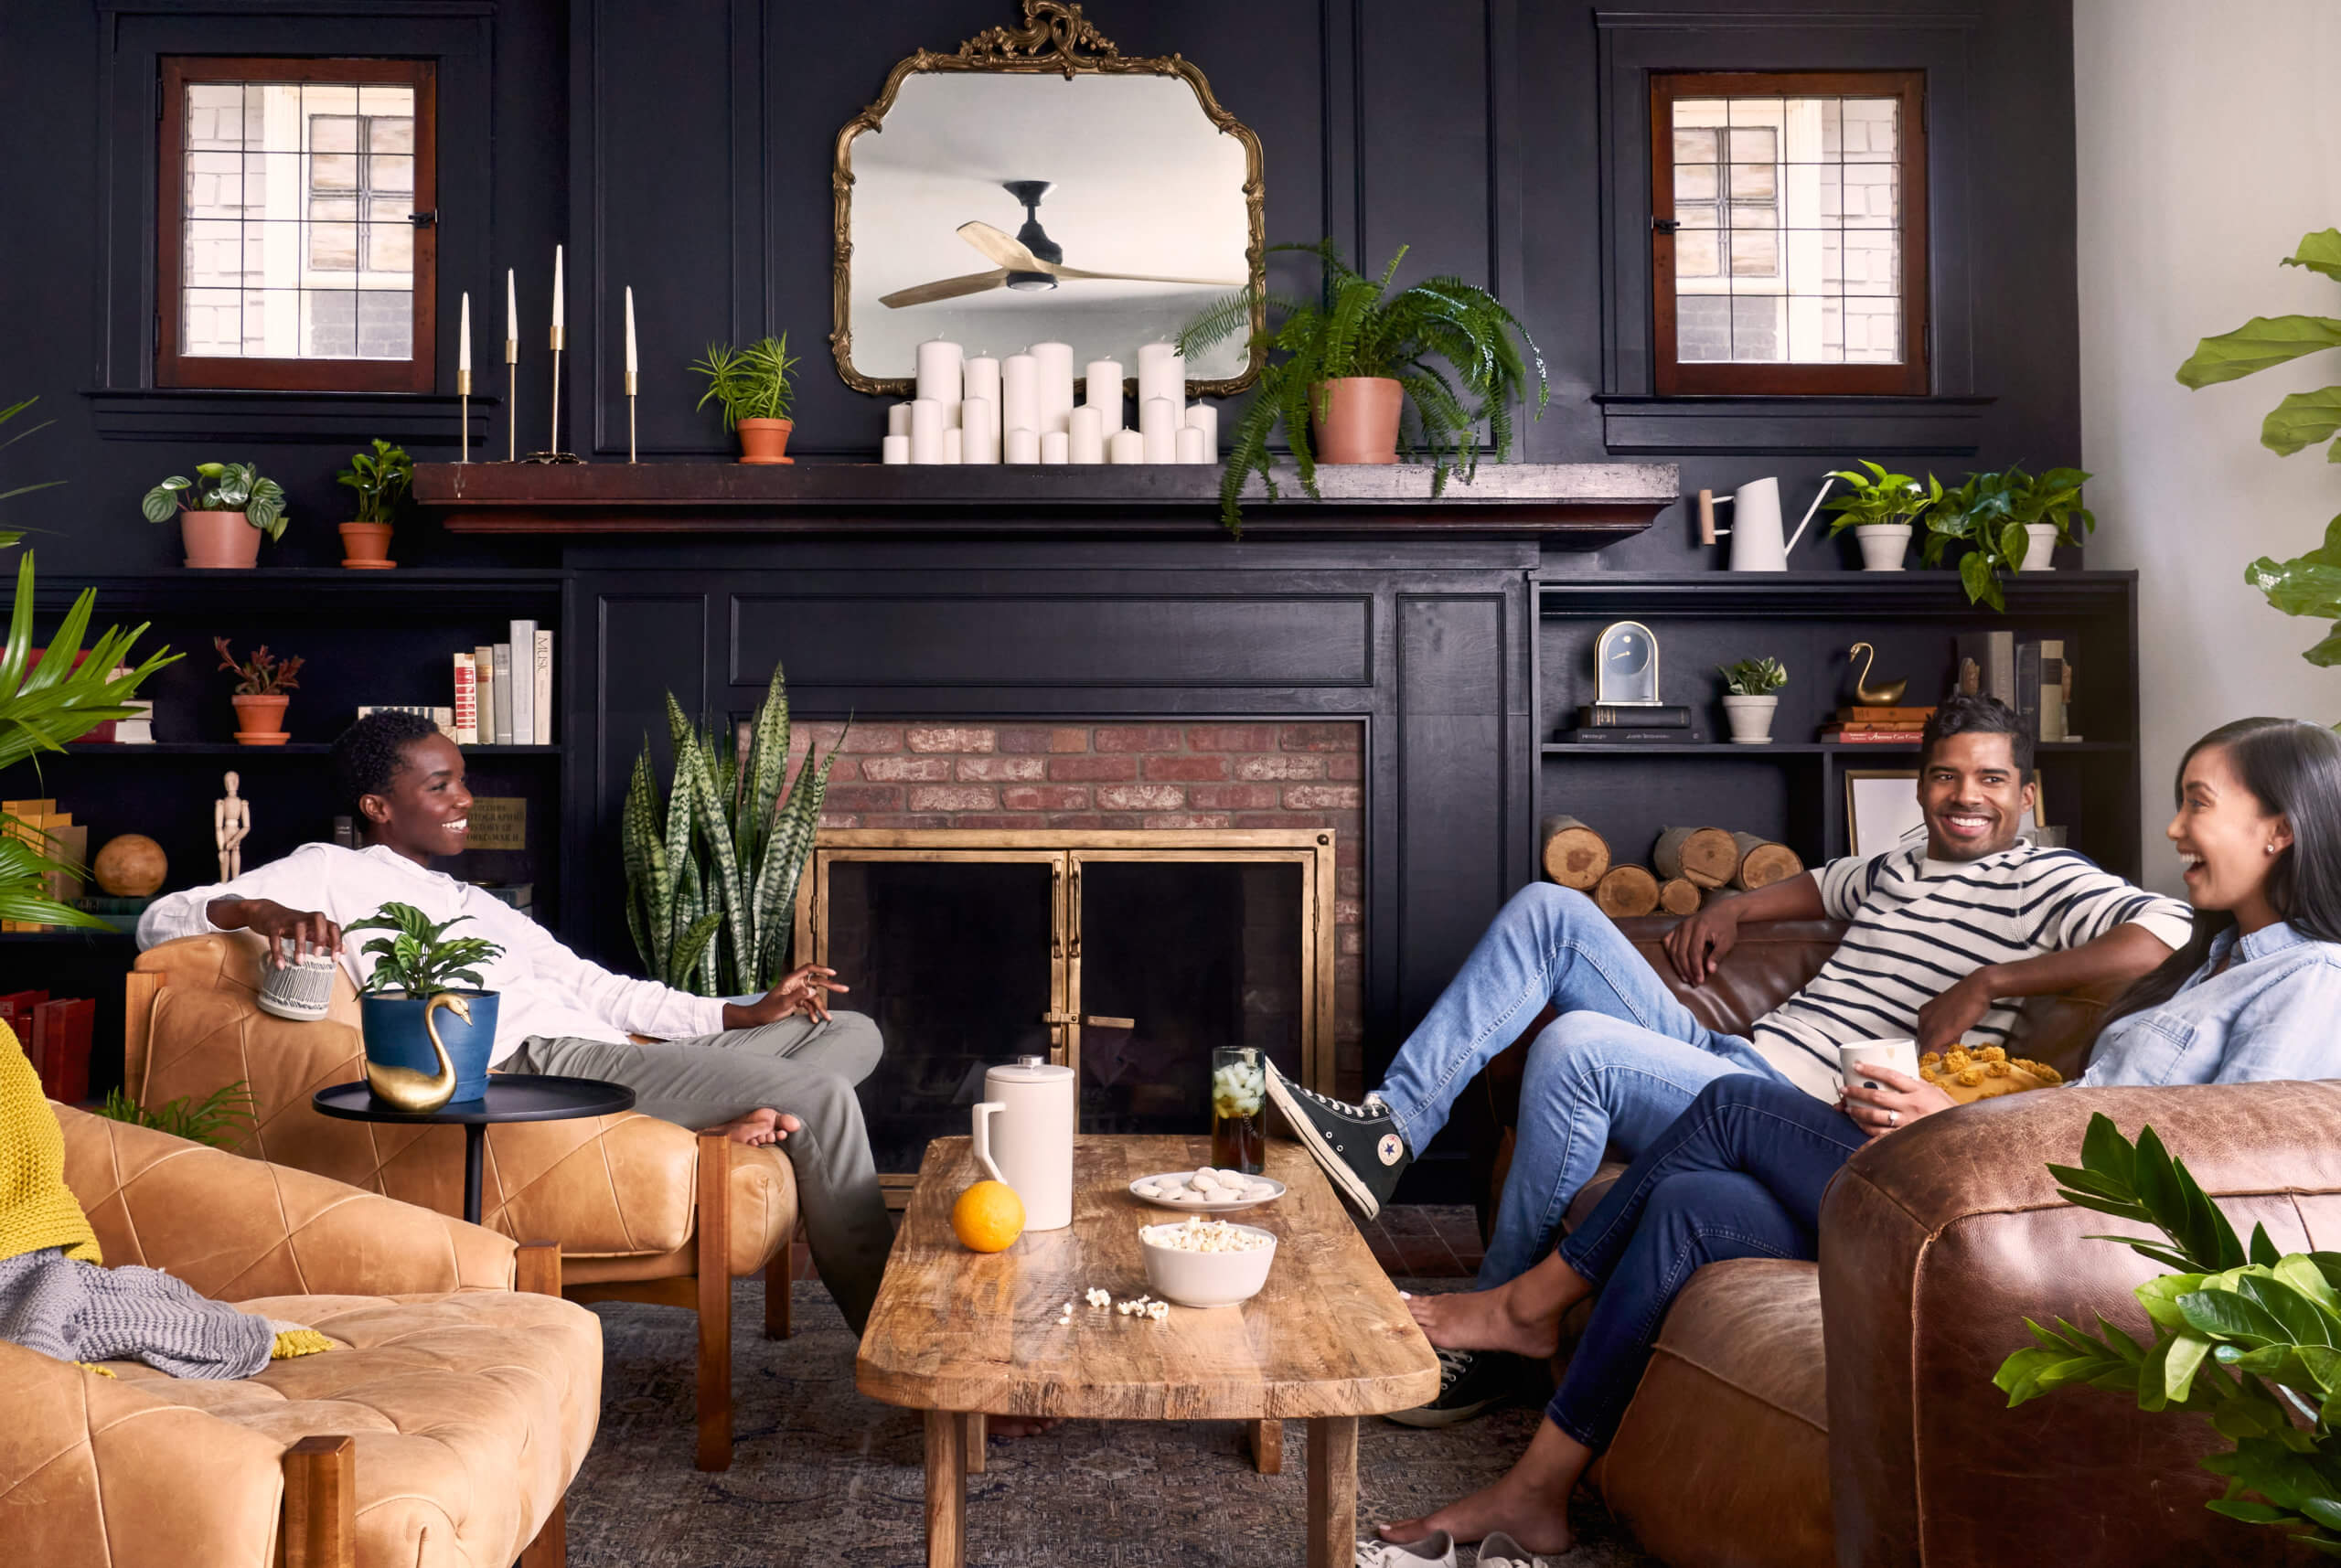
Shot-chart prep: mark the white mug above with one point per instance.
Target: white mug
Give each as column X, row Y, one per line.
column 1895, row 1055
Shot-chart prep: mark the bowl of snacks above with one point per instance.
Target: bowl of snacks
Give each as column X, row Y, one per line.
column 1206, row 1262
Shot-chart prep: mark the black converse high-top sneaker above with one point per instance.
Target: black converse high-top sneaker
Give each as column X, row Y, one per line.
column 1358, row 1145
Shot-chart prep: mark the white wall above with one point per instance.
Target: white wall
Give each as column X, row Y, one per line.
column 2210, row 142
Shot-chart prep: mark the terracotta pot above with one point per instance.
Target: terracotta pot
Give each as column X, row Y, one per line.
column 766, row 440
column 365, row 546
column 1354, row 418
column 214, row 540
column 260, row 720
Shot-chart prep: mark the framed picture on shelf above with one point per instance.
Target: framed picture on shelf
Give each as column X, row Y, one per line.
column 1882, row 810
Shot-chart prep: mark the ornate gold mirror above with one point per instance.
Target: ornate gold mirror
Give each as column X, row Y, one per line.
column 1039, row 186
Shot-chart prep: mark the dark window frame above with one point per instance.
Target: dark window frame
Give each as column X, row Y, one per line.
column 1674, row 377
column 417, row 373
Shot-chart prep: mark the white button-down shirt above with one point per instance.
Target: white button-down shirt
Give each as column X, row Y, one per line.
column 546, row 989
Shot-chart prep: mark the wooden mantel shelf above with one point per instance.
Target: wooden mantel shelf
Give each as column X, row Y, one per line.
column 1574, row 505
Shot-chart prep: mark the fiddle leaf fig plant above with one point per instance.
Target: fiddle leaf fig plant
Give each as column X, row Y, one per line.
column 1357, row 327
column 2308, row 584
column 419, row 957
column 2246, row 1340
column 1879, row 497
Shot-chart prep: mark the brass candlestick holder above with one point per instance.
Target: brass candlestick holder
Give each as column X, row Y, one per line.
column 629, row 416
column 463, row 415
column 511, row 400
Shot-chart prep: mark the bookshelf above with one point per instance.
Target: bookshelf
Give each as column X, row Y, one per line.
column 1794, row 789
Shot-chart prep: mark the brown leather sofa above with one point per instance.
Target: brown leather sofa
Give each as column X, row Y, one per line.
column 1758, row 1440
column 643, row 1211
column 441, row 1432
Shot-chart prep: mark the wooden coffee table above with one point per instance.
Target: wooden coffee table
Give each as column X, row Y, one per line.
column 960, row 1335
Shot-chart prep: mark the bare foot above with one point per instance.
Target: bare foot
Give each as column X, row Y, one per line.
column 759, row 1129
column 1522, row 1316
column 1536, row 1518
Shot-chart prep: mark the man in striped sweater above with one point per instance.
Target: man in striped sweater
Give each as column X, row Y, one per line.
column 1944, row 936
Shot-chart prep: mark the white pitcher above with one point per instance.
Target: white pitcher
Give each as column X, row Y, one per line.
column 1023, row 1137
column 1756, row 541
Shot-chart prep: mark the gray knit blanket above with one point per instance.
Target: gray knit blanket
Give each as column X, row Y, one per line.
column 79, row 1312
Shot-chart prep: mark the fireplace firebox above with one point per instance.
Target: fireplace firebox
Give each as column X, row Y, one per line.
column 1127, row 955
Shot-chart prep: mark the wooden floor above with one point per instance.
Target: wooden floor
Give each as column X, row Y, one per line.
column 1417, row 1241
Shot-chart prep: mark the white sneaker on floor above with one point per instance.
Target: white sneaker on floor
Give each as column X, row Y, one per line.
column 1501, row 1550
column 1437, row 1547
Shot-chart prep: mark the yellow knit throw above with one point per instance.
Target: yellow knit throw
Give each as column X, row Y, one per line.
column 37, row 1209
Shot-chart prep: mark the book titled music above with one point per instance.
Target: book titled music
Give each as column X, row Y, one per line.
column 467, row 701
column 541, row 706
column 524, row 682
column 483, row 670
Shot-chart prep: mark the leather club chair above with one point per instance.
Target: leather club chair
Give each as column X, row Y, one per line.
column 643, row 1210
column 1758, row 1440
column 442, row 1432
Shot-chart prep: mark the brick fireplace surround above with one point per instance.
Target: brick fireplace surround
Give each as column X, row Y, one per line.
column 1142, row 776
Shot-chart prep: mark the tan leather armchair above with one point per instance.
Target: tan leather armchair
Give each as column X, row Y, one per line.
column 442, row 1430
column 643, row 1210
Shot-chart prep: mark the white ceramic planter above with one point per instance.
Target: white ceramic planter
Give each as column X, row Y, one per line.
column 1883, row 545
column 2040, row 546
column 1750, row 718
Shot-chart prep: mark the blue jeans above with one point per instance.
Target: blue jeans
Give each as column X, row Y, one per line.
column 1621, row 1062
column 1738, row 1175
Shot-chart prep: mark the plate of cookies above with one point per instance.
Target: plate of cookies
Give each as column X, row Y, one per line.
column 1204, row 1190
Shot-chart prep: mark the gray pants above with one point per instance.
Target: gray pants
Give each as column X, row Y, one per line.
column 804, row 1068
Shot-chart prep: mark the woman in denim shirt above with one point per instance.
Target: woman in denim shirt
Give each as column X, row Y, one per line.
column 1742, row 1172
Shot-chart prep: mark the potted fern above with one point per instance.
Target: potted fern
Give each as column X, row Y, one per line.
column 381, row 478
column 222, row 512
column 1355, row 357
column 752, row 387
column 1881, row 509
column 416, row 961
column 1752, row 695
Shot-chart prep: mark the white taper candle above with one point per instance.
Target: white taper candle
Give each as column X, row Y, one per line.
column 632, row 365
column 464, row 337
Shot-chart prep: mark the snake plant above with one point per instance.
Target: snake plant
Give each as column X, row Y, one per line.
column 712, row 863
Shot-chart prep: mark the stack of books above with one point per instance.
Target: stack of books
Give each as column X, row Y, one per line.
column 52, row 835
column 55, row 1039
column 1877, row 726
column 504, row 690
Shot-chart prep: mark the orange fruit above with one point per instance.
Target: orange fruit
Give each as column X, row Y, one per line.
column 988, row 1217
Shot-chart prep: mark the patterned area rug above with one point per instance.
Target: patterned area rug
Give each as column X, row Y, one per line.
column 823, row 1475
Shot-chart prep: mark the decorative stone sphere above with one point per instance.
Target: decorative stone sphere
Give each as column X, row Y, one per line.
column 131, row 866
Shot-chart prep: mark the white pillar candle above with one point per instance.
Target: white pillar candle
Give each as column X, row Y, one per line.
column 1086, row 433
column 1158, row 423
column 980, row 382
column 1019, row 394
column 894, row 449
column 1127, row 446
column 632, row 367
column 1204, row 417
column 1162, row 373
column 898, row 419
column 955, row 445
column 1055, row 362
column 938, row 376
column 979, row 431
column 1055, row 446
column 1021, row 446
column 1103, row 391
column 1191, row 445
column 464, row 338
column 926, row 430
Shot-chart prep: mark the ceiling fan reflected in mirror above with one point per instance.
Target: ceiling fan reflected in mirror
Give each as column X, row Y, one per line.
column 1028, row 261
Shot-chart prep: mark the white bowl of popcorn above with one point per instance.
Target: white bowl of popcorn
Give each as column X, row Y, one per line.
column 1206, row 1262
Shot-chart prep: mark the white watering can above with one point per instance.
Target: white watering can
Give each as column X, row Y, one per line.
column 1023, row 1137
column 1756, row 542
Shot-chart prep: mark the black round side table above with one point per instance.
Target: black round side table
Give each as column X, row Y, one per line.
column 510, row 1097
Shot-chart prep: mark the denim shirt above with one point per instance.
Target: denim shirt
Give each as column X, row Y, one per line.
column 2270, row 1013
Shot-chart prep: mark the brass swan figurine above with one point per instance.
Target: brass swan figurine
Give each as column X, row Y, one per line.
column 408, row 1089
column 1884, row 695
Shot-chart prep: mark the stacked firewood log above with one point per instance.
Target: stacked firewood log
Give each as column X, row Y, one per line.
column 1687, row 866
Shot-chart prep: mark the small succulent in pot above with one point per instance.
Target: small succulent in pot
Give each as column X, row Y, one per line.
column 1750, row 696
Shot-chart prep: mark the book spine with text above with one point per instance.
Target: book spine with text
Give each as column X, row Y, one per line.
column 524, row 683
column 504, row 732
column 2053, row 720
column 2000, row 675
column 483, row 673
column 541, row 707
column 1633, row 715
column 467, row 702
column 2027, row 685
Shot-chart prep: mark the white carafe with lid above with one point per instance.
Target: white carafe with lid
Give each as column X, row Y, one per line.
column 1023, row 1137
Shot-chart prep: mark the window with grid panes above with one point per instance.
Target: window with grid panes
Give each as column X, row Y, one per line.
column 1789, row 232
column 296, row 225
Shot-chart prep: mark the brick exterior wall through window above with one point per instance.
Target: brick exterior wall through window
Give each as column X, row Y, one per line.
column 1158, row 775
